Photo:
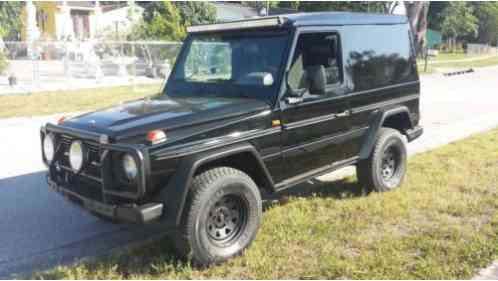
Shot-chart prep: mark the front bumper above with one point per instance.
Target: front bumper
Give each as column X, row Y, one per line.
column 131, row 213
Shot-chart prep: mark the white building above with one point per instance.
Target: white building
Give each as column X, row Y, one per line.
column 56, row 20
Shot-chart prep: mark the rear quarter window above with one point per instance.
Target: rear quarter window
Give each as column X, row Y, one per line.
column 377, row 55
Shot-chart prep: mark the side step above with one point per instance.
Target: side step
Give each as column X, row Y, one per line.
column 412, row 134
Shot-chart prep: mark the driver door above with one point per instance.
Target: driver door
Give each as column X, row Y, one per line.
column 315, row 127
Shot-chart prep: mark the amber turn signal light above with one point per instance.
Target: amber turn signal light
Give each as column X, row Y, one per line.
column 61, row 120
column 156, row 136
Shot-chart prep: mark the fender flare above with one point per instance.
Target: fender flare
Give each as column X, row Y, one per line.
column 174, row 194
column 375, row 124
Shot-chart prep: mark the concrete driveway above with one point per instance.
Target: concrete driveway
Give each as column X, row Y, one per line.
column 39, row 230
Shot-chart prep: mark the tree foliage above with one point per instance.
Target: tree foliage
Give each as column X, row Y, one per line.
column 264, row 4
column 161, row 21
column 487, row 14
column 10, row 20
column 386, row 7
column 434, row 17
column 194, row 13
column 165, row 20
column 459, row 20
column 288, row 4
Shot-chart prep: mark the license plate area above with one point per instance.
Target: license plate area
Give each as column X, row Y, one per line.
column 79, row 184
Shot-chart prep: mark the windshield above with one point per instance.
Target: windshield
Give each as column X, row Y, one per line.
column 246, row 65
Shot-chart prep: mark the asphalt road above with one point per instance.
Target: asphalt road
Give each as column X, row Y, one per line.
column 39, row 230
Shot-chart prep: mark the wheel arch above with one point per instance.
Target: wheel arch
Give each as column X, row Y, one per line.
column 396, row 118
column 174, row 195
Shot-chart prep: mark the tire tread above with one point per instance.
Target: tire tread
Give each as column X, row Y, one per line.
column 365, row 168
column 200, row 184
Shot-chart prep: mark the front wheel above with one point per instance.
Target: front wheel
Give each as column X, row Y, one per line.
column 385, row 168
column 222, row 216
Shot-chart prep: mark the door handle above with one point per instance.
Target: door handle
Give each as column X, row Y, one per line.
column 345, row 113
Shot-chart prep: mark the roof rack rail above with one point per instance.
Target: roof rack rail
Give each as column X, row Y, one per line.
column 242, row 24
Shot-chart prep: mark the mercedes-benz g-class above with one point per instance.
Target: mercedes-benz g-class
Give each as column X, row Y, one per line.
column 250, row 106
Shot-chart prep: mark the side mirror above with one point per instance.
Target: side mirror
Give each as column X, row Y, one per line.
column 317, row 79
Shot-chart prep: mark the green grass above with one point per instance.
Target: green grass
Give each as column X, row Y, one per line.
column 422, row 70
column 449, row 56
column 444, row 57
column 474, row 63
column 70, row 101
column 442, row 224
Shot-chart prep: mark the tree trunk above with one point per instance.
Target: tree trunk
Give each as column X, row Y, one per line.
column 455, row 43
column 390, row 6
column 417, row 17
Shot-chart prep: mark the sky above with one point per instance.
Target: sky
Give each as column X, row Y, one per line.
column 400, row 9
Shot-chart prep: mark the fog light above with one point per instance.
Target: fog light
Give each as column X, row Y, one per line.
column 49, row 147
column 77, row 156
column 130, row 168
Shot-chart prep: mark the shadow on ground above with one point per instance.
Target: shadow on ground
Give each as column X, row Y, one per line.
column 140, row 258
column 339, row 189
column 41, row 230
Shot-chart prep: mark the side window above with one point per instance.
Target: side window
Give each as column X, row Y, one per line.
column 315, row 50
column 382, row 58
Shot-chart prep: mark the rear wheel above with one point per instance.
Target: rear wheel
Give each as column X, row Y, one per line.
column 222, row 216
column 385, row 168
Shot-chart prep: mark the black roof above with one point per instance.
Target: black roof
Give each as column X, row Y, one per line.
column 304, row 19
column 342, row 18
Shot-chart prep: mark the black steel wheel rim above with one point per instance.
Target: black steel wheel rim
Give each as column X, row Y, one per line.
column 390, row 163
column 227, row 219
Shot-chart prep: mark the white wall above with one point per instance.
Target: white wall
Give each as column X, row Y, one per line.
column 107, row 21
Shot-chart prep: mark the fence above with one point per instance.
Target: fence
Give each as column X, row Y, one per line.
column 481, row 49
column 58, row 65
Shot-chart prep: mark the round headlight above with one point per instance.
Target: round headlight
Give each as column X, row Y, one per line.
column 76, row 155
column 130, row 167
column 49, row 147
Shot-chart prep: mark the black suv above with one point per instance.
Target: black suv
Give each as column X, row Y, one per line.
column 250, row 106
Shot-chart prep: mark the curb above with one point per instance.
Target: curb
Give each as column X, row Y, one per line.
column 488, row 273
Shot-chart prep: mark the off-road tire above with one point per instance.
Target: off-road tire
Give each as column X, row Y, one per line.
column 208, row 194
column 373, row 172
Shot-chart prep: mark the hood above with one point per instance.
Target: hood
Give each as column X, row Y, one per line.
column 169, row 113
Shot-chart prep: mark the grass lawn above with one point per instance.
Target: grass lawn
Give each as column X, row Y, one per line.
column 70, row 101
column 450, row 56
column 474, row 63
column 422, row 70
column 477, row 62
column 442, row 224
